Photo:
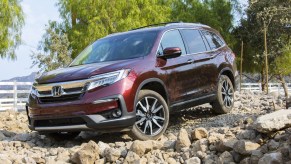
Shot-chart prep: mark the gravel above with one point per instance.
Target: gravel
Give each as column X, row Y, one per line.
column 194, row 135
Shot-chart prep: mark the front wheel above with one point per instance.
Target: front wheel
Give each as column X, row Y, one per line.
column 225, row 96
column 152, row 116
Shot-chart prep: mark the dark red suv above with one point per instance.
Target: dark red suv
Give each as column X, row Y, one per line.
column 130, row 81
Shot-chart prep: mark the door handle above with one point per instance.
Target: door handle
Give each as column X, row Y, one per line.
column 189, row 61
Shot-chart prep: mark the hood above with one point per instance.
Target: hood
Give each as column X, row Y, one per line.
column 84, row 71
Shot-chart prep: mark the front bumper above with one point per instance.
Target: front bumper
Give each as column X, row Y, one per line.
column 85, row 122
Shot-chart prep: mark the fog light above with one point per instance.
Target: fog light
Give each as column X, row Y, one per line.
column 116, row 113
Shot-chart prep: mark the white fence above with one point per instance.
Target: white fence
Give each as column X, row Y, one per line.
column 273, row 87
column 16, row 103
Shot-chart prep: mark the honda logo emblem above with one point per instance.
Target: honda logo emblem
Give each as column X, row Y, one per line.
column 57, row 91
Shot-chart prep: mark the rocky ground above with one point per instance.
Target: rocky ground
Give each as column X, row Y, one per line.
column 256, row 131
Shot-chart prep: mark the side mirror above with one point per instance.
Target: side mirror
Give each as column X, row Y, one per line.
column 171, row 52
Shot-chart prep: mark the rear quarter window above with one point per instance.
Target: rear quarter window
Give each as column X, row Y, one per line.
column 213, row 40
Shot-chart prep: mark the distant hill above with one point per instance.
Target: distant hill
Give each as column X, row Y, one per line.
column 29, row 78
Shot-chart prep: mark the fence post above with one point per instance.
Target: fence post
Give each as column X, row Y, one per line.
column 15, row 95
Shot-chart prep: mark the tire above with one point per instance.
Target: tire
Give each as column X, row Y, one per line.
column 62, row 135
column 225, row 96
column 152, row 119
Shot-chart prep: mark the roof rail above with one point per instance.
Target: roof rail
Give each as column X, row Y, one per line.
column 190, row 24
column 172, row 23
column 151, row 25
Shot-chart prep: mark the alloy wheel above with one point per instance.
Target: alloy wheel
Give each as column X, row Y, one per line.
column 227, row 94
column 150, row 115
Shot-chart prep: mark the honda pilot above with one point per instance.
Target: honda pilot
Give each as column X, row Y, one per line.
column 131, row 81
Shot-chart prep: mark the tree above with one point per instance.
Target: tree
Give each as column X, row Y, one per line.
column 54, row 49
column 215, row 13
column 266, row 22
column 86, row 21
column 11, row 22
column 282, row 65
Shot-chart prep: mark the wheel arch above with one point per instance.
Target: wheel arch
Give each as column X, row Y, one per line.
column 229, row 73
column 153, row 84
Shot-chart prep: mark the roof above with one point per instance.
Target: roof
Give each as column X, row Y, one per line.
column 162, row 26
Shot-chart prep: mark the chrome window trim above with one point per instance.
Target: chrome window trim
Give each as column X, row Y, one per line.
column 193, row 28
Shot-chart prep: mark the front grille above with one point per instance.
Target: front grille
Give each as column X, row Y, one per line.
column 45, row 92
column 68, row 90
column 63, row 98
column 59, row 122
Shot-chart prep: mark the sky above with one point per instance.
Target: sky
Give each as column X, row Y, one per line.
column 37, row 14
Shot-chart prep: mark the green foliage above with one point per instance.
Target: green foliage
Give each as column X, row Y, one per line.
column 215, row 13
column 283, row 62
column 11, row 22
column 86, row 21
column 276, row 16
column 54, row 50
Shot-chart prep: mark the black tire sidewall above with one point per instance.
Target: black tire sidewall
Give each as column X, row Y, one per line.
column 218, row 105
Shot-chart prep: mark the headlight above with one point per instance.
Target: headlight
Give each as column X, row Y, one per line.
column 107, row 78
column 33, row 92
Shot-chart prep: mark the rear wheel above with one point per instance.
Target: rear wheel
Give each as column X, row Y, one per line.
column 225, row 96
column 152, row 116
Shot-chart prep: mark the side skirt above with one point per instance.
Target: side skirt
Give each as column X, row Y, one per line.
column 193, row 102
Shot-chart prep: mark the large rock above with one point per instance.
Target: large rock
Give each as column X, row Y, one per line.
column 2, row 136
column 171, row 161
column 199, row 133
column 200, row 145
column 141, row 147
column 245, row 147
column 271, row 158
column 87, row 154
column 112, row 154
column 256, row 155
column 273, row 121
column 246, row 135
column 182, row 140
column 225, row 145
column 169, row 145
column 226, row 157
column 131, row 157
column 102, row 146
column 193, row 160
column 4, row 159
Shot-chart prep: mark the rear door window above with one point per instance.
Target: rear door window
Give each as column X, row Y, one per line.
column 173, row 39
column 193, row 41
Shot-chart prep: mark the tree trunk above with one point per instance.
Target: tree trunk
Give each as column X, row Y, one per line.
column 284, row 85
column 266, row 58
column 241, row 62
column 263, row 84
column 73, row 16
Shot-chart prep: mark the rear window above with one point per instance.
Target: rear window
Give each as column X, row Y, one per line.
column 119, row 47
column 193, row 41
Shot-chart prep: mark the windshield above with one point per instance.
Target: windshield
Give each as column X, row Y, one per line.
column 119, row 47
